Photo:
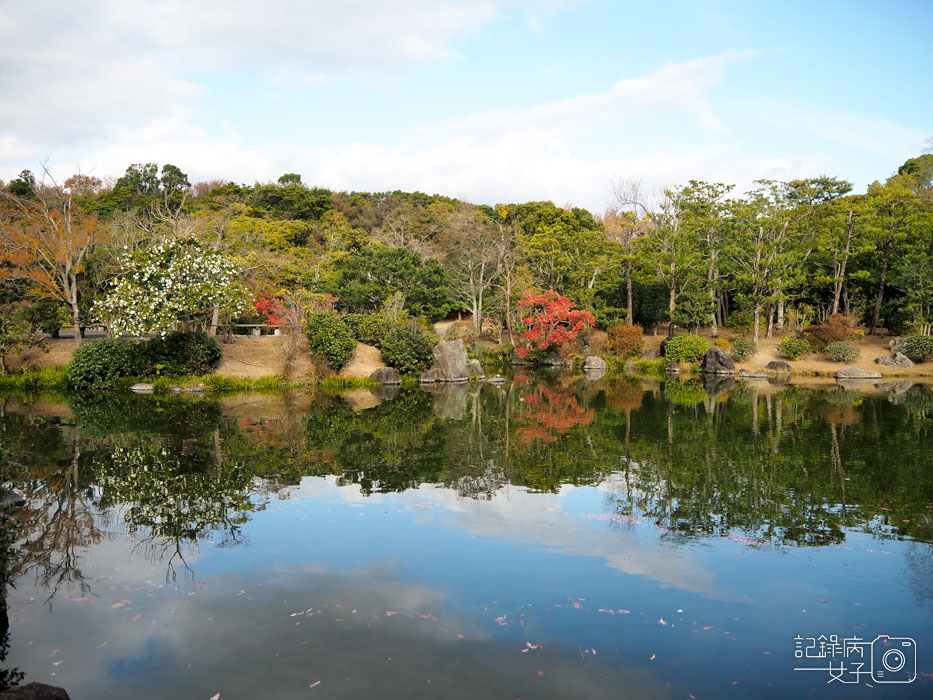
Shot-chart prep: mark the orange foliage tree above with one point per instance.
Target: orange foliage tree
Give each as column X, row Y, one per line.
column 44, row 240
column 552, row 321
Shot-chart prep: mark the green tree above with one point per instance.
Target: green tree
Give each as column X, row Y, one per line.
column 363, row 280
column 893, row 206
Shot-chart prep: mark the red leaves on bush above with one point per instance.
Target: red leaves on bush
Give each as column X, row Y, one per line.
column 552, row 321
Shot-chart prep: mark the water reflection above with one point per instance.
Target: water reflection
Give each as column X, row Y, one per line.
column 617, row 476
column 698, row 458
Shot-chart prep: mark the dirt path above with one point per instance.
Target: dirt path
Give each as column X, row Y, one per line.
column 366, row 359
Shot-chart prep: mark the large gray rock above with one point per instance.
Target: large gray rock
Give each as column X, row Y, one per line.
column 13, row 500
column 386, row 375
column 142, row 388
column 450, row 361
column 35, row 691
column 595, row 363
column 630, row 367
column 498, row 380
column 778, row 366
column 898, row 359
column 475, row 370
column 429, row 376
column 717, row 361
column 896, row 345
column 672, row 368
column 746, row 374
column 856, row 373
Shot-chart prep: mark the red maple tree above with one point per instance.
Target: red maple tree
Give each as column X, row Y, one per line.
column 552, row 321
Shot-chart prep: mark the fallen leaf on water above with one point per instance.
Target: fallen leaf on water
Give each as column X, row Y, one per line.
column 708, row 627
column 314, row 684
column 662, row 621
column 120, row 604
column 459, row 636
column 735, row 682
column 215, row 697
column 651, row 658
column 138, row 617
column 540, row 673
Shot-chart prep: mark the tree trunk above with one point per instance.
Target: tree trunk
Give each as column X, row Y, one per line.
column 671, row 305
column 75, row 313
column 840, row 279
column 756, row 319
column 780, row 313
column 629, row 307
column 876, row 315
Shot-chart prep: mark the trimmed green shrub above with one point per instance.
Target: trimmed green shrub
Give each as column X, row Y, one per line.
column 839, row 351
column 794, row 348
column 180, row 353
column 373, row 329
column 353, row 322
column 407, row 348
column 103, row 362
column 330, row 337
column 686, row 348
column 919, row 347
column 743, row 348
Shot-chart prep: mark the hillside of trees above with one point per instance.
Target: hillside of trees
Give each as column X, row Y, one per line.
column 699, row 255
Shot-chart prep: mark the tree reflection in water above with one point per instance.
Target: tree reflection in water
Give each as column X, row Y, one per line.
column 763, row 463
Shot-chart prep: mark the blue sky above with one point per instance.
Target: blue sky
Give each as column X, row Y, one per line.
column 490, row 100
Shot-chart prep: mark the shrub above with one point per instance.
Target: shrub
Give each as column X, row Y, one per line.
column 835, row 328
column 722, row 344
column 353, row 321
column 103, row 362
column 330, row 337
column 839, row 351
column 181, row 353
column 919, row 347
column 794, row 348
column 501, row 355
column 407, row 348
column 743, row 348
column 686, row 348
column 371, row 328
column 625, row 340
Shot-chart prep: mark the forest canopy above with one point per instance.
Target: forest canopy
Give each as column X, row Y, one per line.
column 698, row 255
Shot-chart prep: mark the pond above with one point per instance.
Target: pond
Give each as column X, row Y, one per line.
column 550, row 538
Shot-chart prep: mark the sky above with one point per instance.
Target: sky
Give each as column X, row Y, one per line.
column 485, row 100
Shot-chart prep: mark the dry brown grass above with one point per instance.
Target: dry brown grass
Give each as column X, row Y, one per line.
column 366, row 360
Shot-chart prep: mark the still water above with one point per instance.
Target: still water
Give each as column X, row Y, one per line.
column 551, row 538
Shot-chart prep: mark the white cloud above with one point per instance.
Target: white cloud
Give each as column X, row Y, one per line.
column 110, row 83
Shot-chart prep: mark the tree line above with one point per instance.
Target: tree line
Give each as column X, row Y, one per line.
column 696, row 255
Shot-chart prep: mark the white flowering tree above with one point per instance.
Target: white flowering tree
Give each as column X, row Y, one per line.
column 174, row 284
